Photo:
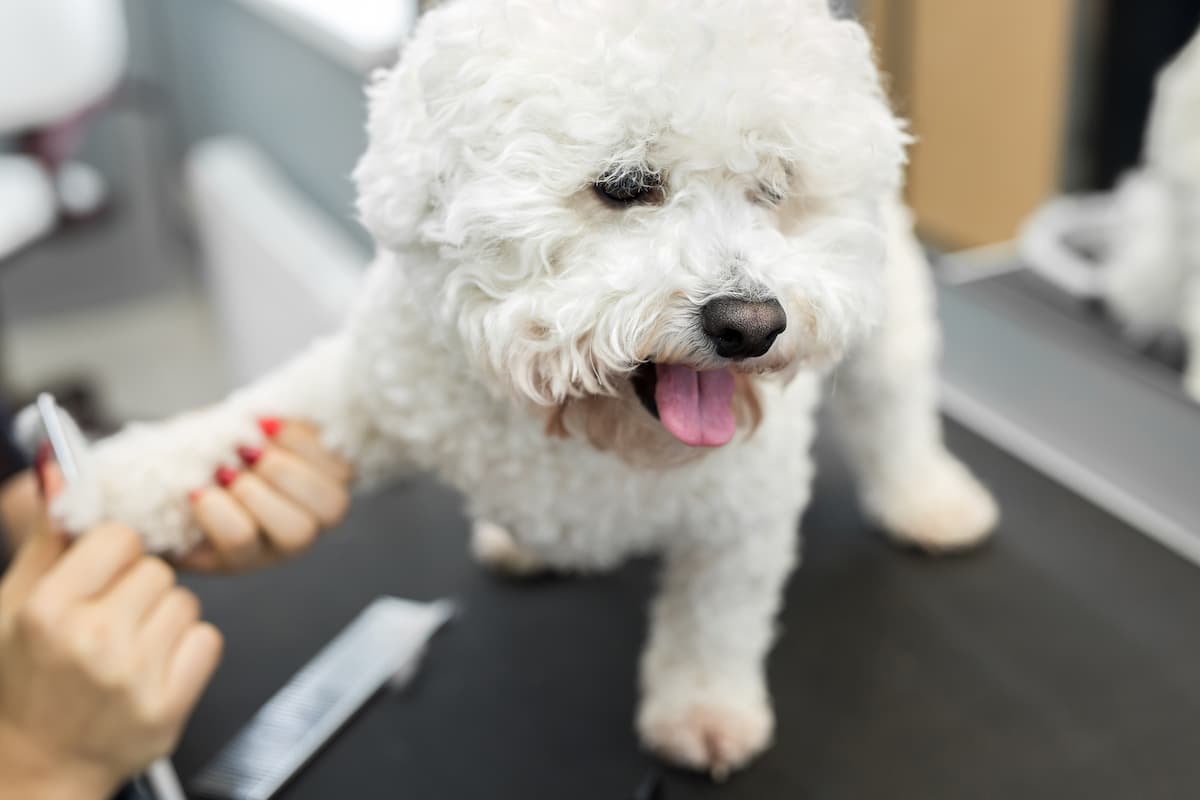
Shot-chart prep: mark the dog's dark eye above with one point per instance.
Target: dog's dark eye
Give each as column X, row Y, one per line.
column 630, row 186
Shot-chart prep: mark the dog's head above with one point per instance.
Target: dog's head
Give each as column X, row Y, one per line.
column 637, row 199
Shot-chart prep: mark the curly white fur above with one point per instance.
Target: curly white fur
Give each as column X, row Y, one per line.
column 507, row 295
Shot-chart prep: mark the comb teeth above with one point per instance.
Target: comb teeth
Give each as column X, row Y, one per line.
column 384, row 640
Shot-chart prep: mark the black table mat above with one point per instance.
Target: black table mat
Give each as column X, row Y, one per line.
column 1059, row 662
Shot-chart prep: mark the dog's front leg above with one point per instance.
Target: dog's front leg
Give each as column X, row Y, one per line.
column 704, row 700
column 885, row 401
column 143, row 475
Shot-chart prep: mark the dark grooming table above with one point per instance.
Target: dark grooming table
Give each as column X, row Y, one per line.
column 1063, row 661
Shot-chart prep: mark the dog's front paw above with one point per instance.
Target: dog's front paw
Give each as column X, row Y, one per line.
column 939, row 507
column 708, row 733
column 142, row 477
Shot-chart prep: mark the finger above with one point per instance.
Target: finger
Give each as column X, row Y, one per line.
column 47, row 473
column 50, row 480
column 202, row 559
column 44, row 547
column 289, row 528
column 139, row 590
column 192, row 666
column 230, row 530
column 304, row 440
column 308, row 488
column 92, row 563
column 177, row 611
column 20, row 507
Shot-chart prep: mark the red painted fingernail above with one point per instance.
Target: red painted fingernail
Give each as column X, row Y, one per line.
column 195, row 494
column 225, row 476
column 250, row 455
column 270, row 426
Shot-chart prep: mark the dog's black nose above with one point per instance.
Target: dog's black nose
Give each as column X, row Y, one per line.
column 742, row 328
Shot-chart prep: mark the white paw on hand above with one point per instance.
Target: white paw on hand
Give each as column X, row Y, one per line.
column 214, row 491
column 939, row 508
column 711, row 735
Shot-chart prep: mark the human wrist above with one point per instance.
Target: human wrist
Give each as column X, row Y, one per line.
column 29, row 773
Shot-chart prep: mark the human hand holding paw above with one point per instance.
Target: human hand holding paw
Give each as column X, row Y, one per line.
column 273, row 505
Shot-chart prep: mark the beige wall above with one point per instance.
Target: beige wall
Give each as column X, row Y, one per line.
column 984, row 83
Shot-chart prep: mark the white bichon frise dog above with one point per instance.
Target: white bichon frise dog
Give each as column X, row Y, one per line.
column 620, row 243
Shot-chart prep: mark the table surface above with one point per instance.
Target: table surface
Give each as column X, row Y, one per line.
column 1058, row 662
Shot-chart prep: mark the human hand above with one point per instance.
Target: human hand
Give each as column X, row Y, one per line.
column 20, row 507
column 102, row 658
column 291, row 489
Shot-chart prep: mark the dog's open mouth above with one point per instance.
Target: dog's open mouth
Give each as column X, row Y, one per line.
column 695, row 406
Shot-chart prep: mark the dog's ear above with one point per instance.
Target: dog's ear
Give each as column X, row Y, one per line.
column 393, row 175
column 407, row 148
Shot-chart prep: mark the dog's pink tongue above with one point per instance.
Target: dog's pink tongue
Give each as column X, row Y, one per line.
column 697, row 407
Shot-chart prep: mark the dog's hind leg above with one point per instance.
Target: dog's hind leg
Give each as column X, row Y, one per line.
column 885, row 400
column 495, row 548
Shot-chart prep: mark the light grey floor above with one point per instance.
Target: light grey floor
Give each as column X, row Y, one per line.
column 148, row 356
column 117, row 301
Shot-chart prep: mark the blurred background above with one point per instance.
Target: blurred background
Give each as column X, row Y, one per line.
column 176, row 216
column 177, row 213
column 211, row 144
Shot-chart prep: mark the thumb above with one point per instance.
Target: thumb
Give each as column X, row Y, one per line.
column 43, row 544
column 41, row 550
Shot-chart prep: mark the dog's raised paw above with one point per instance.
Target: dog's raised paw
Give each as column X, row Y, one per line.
column 495, row 548
column 941, row 508
column 708, row 736
column 142, row 476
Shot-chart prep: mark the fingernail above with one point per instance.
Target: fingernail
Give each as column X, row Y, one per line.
column 194, row 495
column 250, row 455
column 270, row 426
column 225, row 476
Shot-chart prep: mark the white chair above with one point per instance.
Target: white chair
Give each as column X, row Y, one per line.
column 27, row 203
column 57, row 58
